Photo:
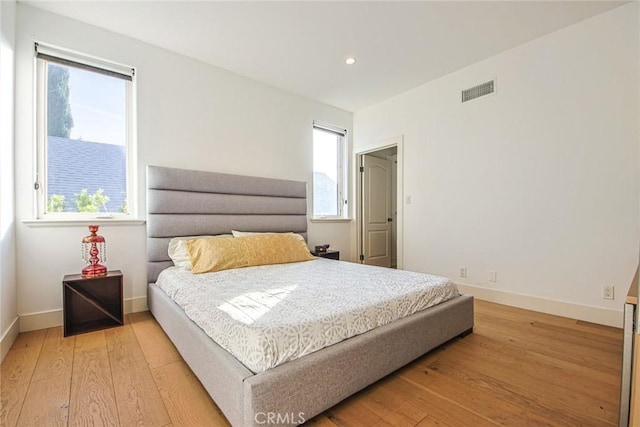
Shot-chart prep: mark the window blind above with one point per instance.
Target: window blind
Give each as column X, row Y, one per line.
column 63, row 57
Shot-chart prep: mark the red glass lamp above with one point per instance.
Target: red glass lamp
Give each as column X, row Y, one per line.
column 94, row 251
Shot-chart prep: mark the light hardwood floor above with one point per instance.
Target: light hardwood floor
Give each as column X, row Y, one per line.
column 518, row 368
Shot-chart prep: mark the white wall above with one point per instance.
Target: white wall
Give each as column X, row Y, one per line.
column 8, row 289
column 538, row 182
column 190, row 115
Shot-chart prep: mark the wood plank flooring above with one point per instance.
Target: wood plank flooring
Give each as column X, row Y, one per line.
column 518, row 368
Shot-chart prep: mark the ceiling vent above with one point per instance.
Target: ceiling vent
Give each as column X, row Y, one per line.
column 478, row 91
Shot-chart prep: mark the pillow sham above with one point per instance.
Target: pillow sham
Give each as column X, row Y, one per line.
column 210, row 255
column 179, row 253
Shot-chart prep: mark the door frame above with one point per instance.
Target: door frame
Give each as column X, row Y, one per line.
column 398, row 142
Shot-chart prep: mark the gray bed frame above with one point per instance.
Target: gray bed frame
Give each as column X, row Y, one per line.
column 186, row 203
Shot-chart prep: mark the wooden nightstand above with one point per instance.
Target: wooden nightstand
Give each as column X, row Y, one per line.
column 331, row 254
column 93, row 303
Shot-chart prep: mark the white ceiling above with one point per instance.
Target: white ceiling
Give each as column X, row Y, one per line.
column 301, row 46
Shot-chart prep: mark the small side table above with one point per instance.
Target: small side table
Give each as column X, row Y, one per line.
column 91, row 304
column 331, row 254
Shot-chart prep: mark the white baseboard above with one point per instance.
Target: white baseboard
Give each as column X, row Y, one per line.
column 135, row 305
column 602, row 316
column 9, row 338
column 42, row 320
column 49, row 319
column 599, row 315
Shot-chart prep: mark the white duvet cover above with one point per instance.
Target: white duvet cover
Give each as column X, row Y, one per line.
column 268, row 315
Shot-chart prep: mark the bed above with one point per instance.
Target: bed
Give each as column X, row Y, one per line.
column 190, row 203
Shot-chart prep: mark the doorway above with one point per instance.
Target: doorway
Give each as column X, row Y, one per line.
column 379, row 207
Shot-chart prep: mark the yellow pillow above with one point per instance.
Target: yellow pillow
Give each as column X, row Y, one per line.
column 208, row 255
column 275, row 248
column 178, row 249
column 215, row 254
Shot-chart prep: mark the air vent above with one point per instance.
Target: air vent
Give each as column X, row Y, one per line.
column 478, row 91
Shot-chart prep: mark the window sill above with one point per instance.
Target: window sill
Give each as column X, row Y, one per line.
column 35, row 223
column 319, row 220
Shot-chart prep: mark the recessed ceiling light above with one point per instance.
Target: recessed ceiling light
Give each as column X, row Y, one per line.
column 350, row 61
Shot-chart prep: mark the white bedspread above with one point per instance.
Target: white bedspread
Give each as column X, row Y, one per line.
column 271, row 314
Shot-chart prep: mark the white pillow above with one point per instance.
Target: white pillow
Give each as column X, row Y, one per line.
column 179, row 253
column 251, row 233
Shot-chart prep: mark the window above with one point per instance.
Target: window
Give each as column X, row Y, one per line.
column 329, row 154
column 84, row 135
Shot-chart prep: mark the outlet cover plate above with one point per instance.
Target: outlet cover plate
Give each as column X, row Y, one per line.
column 608, row 292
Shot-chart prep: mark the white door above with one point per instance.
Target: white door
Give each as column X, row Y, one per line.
column 376, row 202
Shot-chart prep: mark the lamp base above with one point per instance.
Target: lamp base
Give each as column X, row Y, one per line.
column 94, row 270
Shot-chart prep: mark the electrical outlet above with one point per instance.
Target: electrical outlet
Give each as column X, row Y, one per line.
column 463, row 271
column 608, row 292
column 493, row 276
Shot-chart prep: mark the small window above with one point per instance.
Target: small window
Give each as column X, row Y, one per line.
column 85, row 136
column 329, row 154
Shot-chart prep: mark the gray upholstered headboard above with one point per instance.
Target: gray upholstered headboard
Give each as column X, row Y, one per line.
column 183, row 202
